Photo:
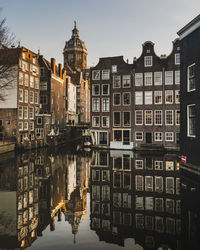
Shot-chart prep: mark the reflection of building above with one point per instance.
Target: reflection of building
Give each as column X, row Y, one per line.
column 190, row 211
column 77, row 180
column 190, row 103
column 136, row 197
column 19, row 222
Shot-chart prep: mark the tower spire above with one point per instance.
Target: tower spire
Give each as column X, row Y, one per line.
column 74, row 24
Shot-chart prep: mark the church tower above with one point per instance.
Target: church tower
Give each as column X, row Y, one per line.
column 75, row 52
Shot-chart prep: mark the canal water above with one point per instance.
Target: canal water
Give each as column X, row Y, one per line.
column 61, row 199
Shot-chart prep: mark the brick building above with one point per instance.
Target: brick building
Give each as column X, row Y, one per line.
column 53, row 92
column 190, row 88
column 75, row 64
column 156, row 98
column 21, row 104
column 111, row 103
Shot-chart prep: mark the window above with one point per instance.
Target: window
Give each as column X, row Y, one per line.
column 20, row 78
column 36, row 98
column 95, row 89
column 148, row 97
column 127, row 118
column 43, row 86
column 25, row 125
column 157, row 97
column 105, row 74
column 116, row 99
column 191, row 120
column 178, row 116
column 139, row 117
column 117, row 135
column 138, row 97
column 20, row 112
column 20, row 125
column 191, row 78
column 32, row 126
column 177, row 96
column 168, row 96
column 149, row 183
column 148, row 78
column 39, row 120
column 31, row 81
column 169, row 77
column 177, row 58
column 157, row 78
column 126, row 137
column 158, row 117
column 105, row 121
column 126, row 80
column 177, row 77
column 96, row 75
column 31, row 113
column 138, row 79
column 105, row 105
column 25, row 112
column 114, row 68
column 116, row 81
column 139, row 164
column 148, row 117
column 139, row 136
column 31, row 97
column 148, row 61
column 158, row 165
column 168, row 117
column 105, row 89
column 117, row 119
column 159, row 184
column 169, row 185
column 20, row 95
column 39, row 133
column 158, row 136
column 26, row 96
column 36, row 83
column 139, row 182
column 126, row 98
column 95, row 121
column 103, row 138
column 42, row 71
column 95, row 105
column 43, row 99
column 159, row 204
column 169, row 136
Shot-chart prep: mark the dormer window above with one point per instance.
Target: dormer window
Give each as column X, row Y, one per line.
column 114, row 68
column 148, row 62
column 148, row 51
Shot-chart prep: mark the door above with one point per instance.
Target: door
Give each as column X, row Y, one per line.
column 148, row 137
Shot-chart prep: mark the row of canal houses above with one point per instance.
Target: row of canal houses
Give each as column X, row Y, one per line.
column 41, row 98
column 152, row 103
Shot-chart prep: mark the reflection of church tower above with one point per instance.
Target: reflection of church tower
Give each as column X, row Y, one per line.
column 76, row 209
column 75, row 52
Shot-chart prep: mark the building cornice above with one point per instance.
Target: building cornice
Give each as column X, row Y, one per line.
column 189, row 28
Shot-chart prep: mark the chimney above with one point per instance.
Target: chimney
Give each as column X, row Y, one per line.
column 53, row 65
column 60, row 70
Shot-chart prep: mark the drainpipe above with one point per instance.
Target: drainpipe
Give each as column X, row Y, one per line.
column 163, row 103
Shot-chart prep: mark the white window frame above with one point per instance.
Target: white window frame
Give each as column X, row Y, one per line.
column 138, row 79
column 148, row 97
column 114, row 68
column 125, row 79
column 145, row 116
column 177, row 58
column 148, row 61
column 21, row 95
column 138, row 97
column 123, row 98
column 107, row 126
column 141, row 111
column 93, row 87
column 157, row 136
column 105, row 74
column 167, row 91
column 157, row 83
column 98, row 108
column 167, row 77
column 118, row 77
column 156, row 94
column 129, row 116
column 155, row 123
column 177, row 91
column 188, row 78
column 93, row 125
column 177, row 77
column 108, row 89
column 188, row 130
column 94, row 77
column 172, row 115
column 148, row 75
column 176, row 112
column 117, row 93
column 103, row 109
column 167, row 135
column 141, row 133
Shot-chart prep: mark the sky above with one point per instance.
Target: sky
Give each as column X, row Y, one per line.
column 108, row 27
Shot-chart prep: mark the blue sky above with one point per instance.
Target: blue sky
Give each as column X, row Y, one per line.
column 108, row 27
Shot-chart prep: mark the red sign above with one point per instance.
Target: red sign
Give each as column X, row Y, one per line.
column 183, row 158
